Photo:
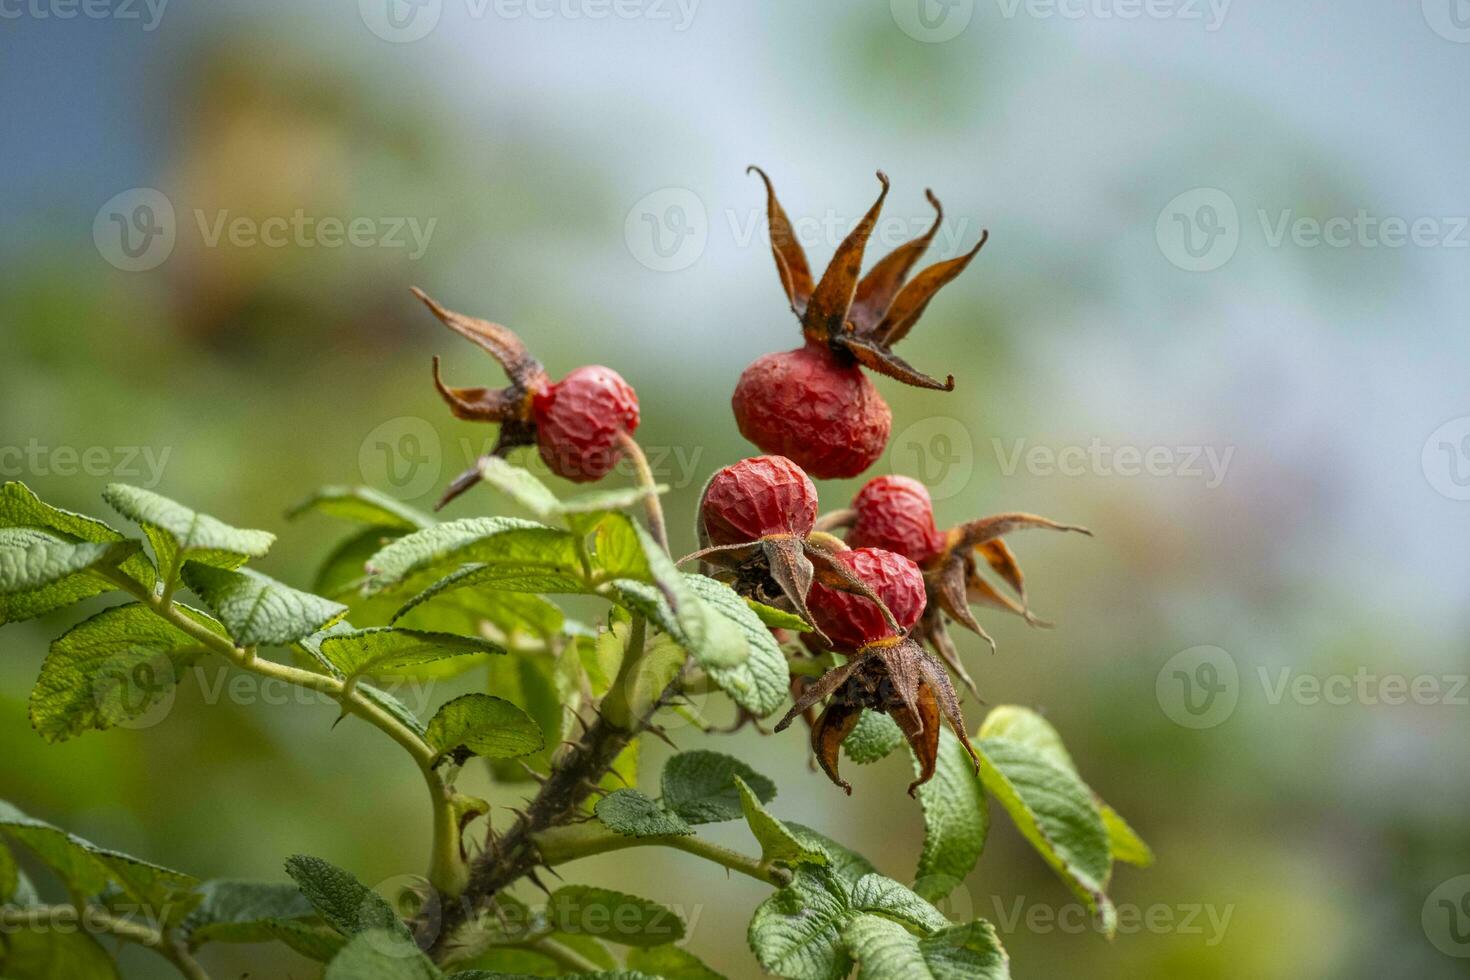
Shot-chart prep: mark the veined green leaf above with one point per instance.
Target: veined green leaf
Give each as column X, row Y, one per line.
column 815, row 927
column 112, row 668
column 393, row 706
column 876, row 736
column 257, row 912
column 630, row 813
column 612, row 916
column 510, row 550
column 778, row 844
column 1029, row 728
column 363, row 505
column 956, row 820
column 483, row 725
column 40, row 571
column 19, row 507
column 884, row 949
column 844, row 862
column 88, row 869
column 178, row 533
column 522, row 486
column 257, row 610
column 700, row 786
column 345, row 903
column 529, row 682
column 1055, row 812
column 390, row 650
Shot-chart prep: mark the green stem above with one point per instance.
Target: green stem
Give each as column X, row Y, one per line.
column 47, row 916
column 557, row 845
column 564, row 957
column 448, row 872
column 651, row 505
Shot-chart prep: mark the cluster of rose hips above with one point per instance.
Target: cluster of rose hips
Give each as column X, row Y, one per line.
column 896, row 577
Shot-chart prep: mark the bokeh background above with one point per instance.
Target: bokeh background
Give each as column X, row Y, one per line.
column 1151, row 177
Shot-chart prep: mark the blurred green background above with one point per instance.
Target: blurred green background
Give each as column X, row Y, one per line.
column 576, row 171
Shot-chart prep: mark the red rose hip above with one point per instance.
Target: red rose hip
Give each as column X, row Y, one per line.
column 581, row 420
column 853, row 622
column 757, row 498
column 895, row 513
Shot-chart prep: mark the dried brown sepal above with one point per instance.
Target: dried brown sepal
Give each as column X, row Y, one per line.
column 898, row 679
column 863, row 318
column 499, row 342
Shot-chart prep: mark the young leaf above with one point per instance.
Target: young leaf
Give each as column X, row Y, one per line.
column 178, row 533
column 381, row 954
column 778, row 844
column 393, row 706
column 630, row 813
column 884, row 949
column 847, row 864
column 670, row 963
column 112, row 668
column 529, row 681
column 256, row 912
column 701, row 786
column 612, row 916
column 778, row 618
column 876, row 736
column 257, row 610
column 479, row 724
column 341, row 900
column 390, row 650
column 1027, row 727
column 363, row 505
column 956, row 821
column 40, row 571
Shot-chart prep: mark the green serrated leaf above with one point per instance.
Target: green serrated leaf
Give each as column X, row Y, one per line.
column 258, row 912
column 505, row 546
column 343, row 573
column 1055, row 812
column 111, row 669
column 41, row 571
column 956, row 820
column 87, row 869
column 884, row 950
column 700, row 786
column 796, row 933
column 876, row 736
column 393, row 706
column 670, row 963
column 778, row 844
column 178, row 533
column 484, row 725
column 381, row 650
column 342, row 901
column 529, row 682
column 612, row 916
column 19, row 507
column 847, row 864
column 257, row 610
column 380, row 954
column 1029, row 728
column 362, row 505
column 630, row 813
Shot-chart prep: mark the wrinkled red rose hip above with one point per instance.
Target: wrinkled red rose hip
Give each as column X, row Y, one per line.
column 853, row 622
column 580, row 422
column 756, row 498
column 895, row 513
